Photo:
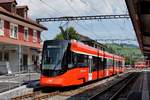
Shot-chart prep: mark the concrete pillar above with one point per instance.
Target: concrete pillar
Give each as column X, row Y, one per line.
column 19, row 57
column 19, row 61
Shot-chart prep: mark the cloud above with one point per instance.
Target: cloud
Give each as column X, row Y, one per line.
column 46, row 8
column 108, row 6
column 102, row 29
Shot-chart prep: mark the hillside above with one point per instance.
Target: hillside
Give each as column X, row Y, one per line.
column 130, row 52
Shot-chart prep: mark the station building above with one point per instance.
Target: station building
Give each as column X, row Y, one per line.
column 19, row 37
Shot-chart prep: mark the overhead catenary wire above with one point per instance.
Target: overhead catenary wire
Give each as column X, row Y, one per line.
column 31, row 3
column 87, row 29
column 77, row 13
column 83, row 27
column 106, row 40
column 74, row 10
column 70, row 5
column 85, row 2
column 125, row 30
column 108, row 7
column 49, row 6
column 118, row 24
column 92, row 8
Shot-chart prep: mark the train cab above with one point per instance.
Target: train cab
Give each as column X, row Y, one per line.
column 54, row 62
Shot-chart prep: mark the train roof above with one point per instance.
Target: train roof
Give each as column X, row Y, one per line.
column 86, row 49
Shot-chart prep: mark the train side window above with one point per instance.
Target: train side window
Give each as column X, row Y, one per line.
column 117, row 65
column 81, row 60
column 101, row 65
column 64, row 63
column 114, row 64
column 120, row 63
column 104, row 63
column 67, row 61
column 70, row 59
column 109, row 63
column 97, row 63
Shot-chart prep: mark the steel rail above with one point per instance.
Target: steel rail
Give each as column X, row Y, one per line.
column 122, row 88
column 35, row 96
column 25, row 96
column 40, row 96
column 113, row 85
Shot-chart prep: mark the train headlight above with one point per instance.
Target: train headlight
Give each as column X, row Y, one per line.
column 50, row 80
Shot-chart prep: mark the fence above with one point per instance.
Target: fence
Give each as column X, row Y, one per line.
column 11, row 80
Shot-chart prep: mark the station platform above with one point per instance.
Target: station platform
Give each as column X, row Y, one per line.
column 141, row 87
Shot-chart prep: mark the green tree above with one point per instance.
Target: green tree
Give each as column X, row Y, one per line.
column 70, row 32
column 59, row 37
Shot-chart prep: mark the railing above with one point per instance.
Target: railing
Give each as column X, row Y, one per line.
column 16, row 79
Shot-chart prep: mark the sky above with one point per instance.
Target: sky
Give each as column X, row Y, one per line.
column 95, row 29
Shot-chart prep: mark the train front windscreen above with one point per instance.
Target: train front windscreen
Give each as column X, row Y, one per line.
column 53, row 52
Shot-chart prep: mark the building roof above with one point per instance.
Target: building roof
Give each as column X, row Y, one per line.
column 83, row 38
column 91, row 42
column 15, row 16
column 8, row 1
column 22, row 7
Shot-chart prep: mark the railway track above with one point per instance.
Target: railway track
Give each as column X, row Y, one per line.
column 35, row 96
column 38, row 95
column 113, row 91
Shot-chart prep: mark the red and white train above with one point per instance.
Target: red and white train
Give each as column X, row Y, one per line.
column 142, row 64
column 70, row 62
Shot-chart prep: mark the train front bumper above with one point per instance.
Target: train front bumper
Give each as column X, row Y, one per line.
column 52, row 81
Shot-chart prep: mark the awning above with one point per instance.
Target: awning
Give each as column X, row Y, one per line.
column 139, row 11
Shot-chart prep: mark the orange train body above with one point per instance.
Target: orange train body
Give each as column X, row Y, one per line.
column 79, row 75
column 142, row 64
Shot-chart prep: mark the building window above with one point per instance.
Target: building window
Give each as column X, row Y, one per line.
column 1, row 27
column 34, row 36
column 26, row 34
column 13, row 31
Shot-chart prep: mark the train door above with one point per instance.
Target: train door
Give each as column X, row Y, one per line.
column 123, row 66
column 113, row 66
column 107, row 67
column 104, row 66
column 95, row 67
column 101, row 68
column 90, row 68
column 117, row 67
